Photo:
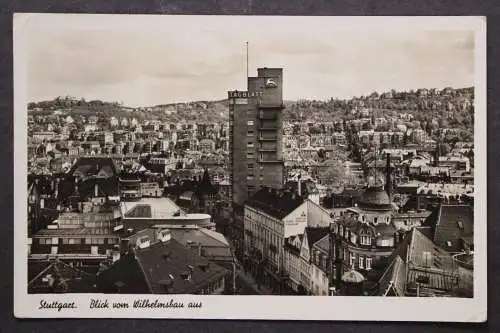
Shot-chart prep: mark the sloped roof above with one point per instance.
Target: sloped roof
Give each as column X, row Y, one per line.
column 277, row 204
column 314, row 234
column 159, row 268
column 91, row 166
column 415, row 256
column 450, row 223
column 67, row 278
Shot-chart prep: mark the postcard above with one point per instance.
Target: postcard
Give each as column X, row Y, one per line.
column 250, row 167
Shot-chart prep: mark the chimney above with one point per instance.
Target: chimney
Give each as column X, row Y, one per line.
column 436, row 155
column 388, row 180
column 299, row 184
column 199, row 249
column 338, row 263
column 57, row 188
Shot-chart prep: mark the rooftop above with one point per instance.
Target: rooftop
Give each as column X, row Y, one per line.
column 450, row 224
column 375, row 198
column 418, row 260
column 277, row 204
column 155, row 208
column 161, row 268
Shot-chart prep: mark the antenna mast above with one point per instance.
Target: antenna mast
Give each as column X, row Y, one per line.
column 246, row 45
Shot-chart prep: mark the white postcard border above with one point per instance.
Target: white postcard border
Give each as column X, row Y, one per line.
column 250, row 307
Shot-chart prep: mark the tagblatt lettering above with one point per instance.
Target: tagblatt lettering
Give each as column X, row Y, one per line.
column 245, row 94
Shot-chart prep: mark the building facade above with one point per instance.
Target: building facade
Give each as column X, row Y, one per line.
column 256, row 134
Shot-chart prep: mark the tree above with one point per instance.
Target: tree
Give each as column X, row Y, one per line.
column 331, row 172
column 321, row 154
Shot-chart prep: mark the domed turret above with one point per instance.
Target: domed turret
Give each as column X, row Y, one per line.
column 353, row 277
column 352, row 283
column 375, row 198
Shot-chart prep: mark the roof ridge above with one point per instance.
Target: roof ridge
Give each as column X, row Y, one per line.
column 440, row 211
column 41, row 273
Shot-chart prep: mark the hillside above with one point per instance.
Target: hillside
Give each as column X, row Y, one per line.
column 423, row 104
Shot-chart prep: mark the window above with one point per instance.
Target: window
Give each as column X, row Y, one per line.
column 250, row 133
column 45, row 241
column 353, row 238
column 375, row 220
column 94, row 241
column 368, row 263
column 250, row 166
column 361, row 262
column 352, row 260
column 250, row 155
column 426, row 258
column 250, row 123
column 366, row 240
column 250, row 144
column 71, row 241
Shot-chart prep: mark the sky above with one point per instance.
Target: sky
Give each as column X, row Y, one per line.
column 185, row 58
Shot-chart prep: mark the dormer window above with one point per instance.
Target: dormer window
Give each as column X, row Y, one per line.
column 366, row 240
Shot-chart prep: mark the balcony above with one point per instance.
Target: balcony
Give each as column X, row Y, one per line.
column 268, row 115
column 270, row 105
column 267, row 138
column 261, row 160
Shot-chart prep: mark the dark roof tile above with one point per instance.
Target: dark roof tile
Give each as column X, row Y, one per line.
column 277, row 204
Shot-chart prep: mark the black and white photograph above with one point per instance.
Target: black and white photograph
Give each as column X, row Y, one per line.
column 167, row 165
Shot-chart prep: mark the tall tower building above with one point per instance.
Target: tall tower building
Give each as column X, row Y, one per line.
column 256, row 135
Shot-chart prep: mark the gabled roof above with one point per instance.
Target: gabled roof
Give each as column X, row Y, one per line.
column 414, row 257
column 90, row 166
column 159, row 269
column 314, row 234
column 290, row 247
column 277, row 204
column 58, row 277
